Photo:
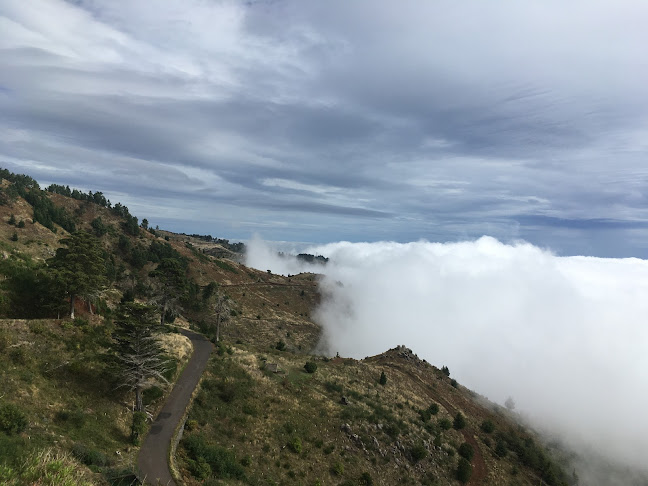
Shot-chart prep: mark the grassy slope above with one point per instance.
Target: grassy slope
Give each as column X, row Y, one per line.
column 260, row 416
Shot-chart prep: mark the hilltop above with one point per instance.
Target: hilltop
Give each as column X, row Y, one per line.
column 270, row 409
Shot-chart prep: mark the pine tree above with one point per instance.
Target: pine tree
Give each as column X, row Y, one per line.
column 138, row 351
column 79, row 267
column 171, row 284
column 383, row 379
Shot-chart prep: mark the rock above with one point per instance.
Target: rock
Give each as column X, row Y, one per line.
column 346, row 428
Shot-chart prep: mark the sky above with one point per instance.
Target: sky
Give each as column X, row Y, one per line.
column 326, row 121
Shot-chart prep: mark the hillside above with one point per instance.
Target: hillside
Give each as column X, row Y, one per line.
column 259, row 416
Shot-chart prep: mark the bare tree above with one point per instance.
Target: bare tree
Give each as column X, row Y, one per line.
column 222, row 311
column 138, row 351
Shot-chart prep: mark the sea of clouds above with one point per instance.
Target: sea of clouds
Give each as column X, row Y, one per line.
column 566, row 337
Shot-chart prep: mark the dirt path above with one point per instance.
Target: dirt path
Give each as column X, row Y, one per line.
column 152, row 462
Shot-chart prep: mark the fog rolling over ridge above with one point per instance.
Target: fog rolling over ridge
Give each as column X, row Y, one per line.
column 566, row 337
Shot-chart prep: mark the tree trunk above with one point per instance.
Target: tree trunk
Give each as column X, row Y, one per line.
column 217, row 330
column 139, row 404
column 90, row 306
column 72, row 301
column 164, row 307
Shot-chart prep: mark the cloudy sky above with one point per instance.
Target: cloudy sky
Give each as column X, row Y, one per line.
column 323, row 121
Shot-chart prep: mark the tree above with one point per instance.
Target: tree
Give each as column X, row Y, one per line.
column 79, row 266
column 221, row 312
column 145, row 223
column 138, row 352
column 464, row 470
column 170, row 275
column 383, row 379
column 459, row 421
column 510, row 403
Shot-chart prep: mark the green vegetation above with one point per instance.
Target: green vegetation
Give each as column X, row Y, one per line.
column 76, row 392
column 310, row 367
column 464, row 470
column 488, row 426
column 459, row 421
column 383, row 378
column 79, row 267
column 12, row 419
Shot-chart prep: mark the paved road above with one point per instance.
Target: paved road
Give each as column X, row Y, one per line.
column 152, row 461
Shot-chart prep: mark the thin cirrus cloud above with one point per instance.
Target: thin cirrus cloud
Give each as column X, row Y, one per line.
column 536, row 112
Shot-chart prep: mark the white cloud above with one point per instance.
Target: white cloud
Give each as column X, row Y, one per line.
column 565, row 336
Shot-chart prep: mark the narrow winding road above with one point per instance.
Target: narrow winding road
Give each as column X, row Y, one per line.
column 153, row 459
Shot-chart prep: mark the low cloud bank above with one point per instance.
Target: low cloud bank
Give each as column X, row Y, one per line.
column 565, row 336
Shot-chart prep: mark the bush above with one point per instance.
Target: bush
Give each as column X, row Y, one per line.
column 281, row 346
column 74, row 417
column 89, row 456
column 464, row 470
column 383, row 379
column 366, row 479
column 459, row 421
column 310, row 367
column 222, row 461
column 151, row 394
column 295, row 445
column 445, row 370
column 445, row 424
column 433, row 409
column 454, row 383
column 418, row 452
column 138, row 427
column 12, row 419
column 337, row 469
column 466, row 451
column 487, row 426
column 500, row 448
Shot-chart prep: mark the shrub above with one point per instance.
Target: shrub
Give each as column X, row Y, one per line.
column 89, row 456
column 200, row 469
column 337, row 469
column 310, row 367
column 433, row 409
column 295, row 445
column 222, row 461
column 151, row 394
column 454, row 383
column 464, row 470
column 138, row 427
column 445, row 370
column 459, row 421
column 418, row 452
column 383, row 379
column 466, row 451
column 500, row 448
column 74, row 417
column 12, row 419
column 333, row 387
column 488, row 426
column 281, row 346
column 365, row 479
column 445, row 424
